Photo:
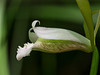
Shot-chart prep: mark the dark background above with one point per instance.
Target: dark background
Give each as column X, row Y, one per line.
column 51, row 13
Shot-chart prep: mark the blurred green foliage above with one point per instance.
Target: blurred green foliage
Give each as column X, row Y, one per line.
column 51, row 13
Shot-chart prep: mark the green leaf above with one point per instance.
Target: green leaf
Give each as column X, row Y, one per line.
column 97, row 25
column 87, row 14
column 86, row 30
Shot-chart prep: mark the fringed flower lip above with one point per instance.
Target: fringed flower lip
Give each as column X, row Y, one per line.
column 53, row 40
column 24, row 51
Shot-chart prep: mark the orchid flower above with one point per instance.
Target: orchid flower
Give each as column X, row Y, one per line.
column 53, row 40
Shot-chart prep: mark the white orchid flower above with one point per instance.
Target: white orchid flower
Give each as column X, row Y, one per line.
column 53, row 40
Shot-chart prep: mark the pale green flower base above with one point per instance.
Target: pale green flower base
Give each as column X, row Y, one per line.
column 58, row 46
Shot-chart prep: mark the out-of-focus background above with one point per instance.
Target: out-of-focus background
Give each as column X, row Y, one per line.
column 51, row 13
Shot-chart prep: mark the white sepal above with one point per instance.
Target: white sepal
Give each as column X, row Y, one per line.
column 58, row 34
column 32, row 36
column 34, row 23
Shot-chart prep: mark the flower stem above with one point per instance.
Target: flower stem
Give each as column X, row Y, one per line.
column 95, row 61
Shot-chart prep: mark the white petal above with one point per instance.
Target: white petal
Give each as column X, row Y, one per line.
column 59, row 34
column 34, row 23
column 24, row 51
column 32, row 36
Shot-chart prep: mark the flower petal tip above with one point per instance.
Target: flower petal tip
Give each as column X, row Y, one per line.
column 34, row 23
column 24, row 51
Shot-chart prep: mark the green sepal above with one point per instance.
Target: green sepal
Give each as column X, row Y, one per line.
column 58, row 46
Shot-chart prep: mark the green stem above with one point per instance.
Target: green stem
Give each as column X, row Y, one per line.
column 95, row 62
